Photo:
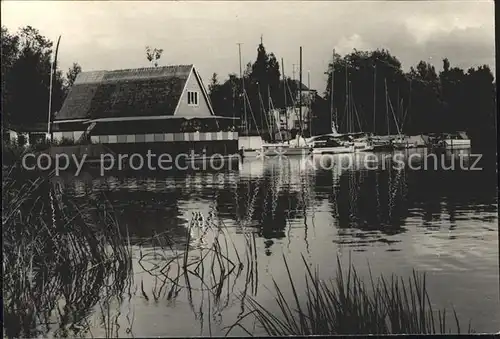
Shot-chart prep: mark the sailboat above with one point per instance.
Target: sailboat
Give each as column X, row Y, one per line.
column 249, row 145
column 401, row 141
column 335, row 142
column 379, row 143
column 297, row 146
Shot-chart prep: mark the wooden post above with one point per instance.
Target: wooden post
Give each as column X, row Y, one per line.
column 53, row 70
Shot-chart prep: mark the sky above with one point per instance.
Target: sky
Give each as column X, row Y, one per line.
column 106, row 35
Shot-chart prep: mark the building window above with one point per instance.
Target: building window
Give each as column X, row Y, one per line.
column 193, row 98
column 21, row 139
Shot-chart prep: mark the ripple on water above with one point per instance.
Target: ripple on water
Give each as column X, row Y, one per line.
column 432, row 225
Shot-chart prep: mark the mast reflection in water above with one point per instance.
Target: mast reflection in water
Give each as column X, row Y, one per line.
column 436, row 220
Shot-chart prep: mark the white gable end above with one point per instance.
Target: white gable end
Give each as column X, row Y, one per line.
column 194, row 98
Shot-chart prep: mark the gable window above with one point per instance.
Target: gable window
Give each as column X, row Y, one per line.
column 193, row 98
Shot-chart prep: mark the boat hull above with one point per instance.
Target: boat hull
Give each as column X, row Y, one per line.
column 403, row 145
column 383, row 147
column 274, row 150
column 364, row 148
column 333, row 150
column 457, row 144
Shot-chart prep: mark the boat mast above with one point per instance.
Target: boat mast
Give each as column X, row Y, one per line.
column 398, row 112
column 409, row 105
column 386, row 107
column 262, row 109
column 243, row 90
column 374, row 96
column 395, row 119
column 53, row 69
column 346, row 95
column 300, row 92
column 351, row 129
column 309, row 102
column 332, row 104
column 270, row 114
column 354, row 112
column 284, row 89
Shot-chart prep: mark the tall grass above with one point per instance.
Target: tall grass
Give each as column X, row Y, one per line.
column 56, row 258
column 206, row 268
column 62, row 259
column 346, row 305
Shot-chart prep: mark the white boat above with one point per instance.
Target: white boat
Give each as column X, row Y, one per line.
column 362, row 145
column 283, row 149
column 330, row 144
column 337, row 143
column 299, row 146
column 403, row 143
column 333, row 150
column 457, row 143
column 382, row 145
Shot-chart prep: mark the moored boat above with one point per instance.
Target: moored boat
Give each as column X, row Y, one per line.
column 299, row 146
column 284, row 149
column 457, row 143
column 403, row 142
column 328, row 144
column 458, row 140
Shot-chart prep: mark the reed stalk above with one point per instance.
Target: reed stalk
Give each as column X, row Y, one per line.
column 59, row 255
column 346, row 305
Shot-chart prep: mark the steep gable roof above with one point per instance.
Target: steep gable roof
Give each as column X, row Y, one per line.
column 125, row 93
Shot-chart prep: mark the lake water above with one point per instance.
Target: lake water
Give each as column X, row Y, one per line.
column 441, row 222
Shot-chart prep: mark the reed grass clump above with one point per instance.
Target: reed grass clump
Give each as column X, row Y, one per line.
column 206, row 268
column 346, row 305
column 58, row 256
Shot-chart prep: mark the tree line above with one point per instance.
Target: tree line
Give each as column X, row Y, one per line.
column 27, row 58
column 371, row 93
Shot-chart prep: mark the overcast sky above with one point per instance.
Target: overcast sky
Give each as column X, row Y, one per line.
column 113, row 35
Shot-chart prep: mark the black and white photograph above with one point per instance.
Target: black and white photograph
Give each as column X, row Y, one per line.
column 249, row 168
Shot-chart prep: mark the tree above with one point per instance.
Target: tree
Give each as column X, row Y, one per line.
column 71, row 75
column 28, row 79
column 153, row 55
column 26, row 68
column 214, row 92
column 214, row 84
column 10, row 51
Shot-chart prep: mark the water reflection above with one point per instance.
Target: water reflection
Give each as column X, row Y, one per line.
column 272, row 195
column 294, row 205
